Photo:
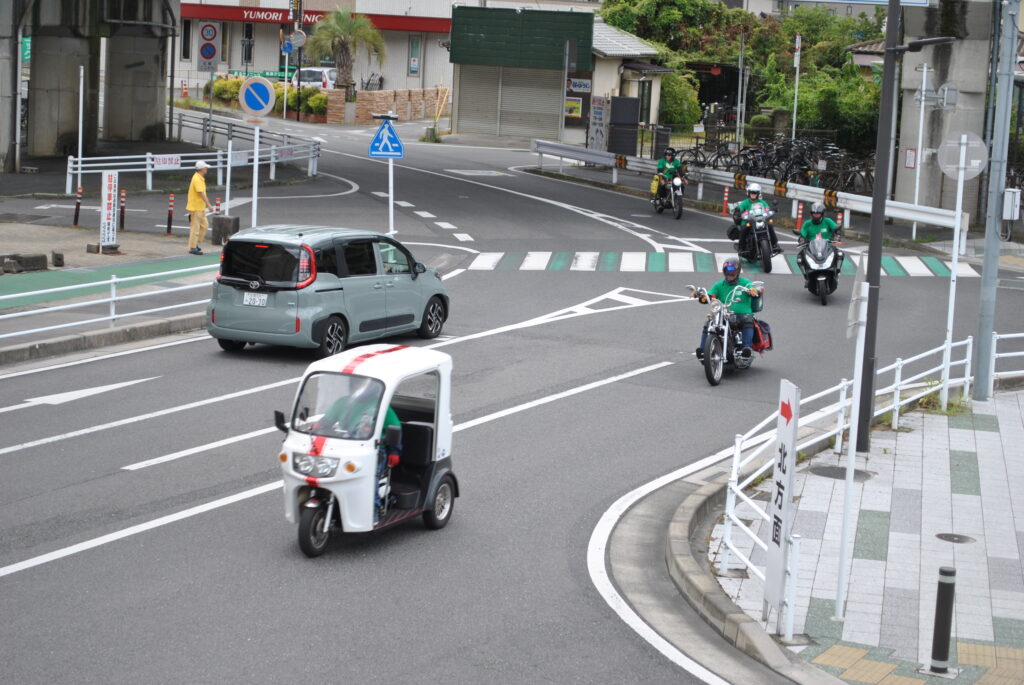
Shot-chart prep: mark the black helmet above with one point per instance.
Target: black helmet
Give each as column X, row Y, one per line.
column 731, row 269
column 670, row 152
column 819, row 209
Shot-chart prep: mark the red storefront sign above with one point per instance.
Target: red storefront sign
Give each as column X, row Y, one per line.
column 262, row 15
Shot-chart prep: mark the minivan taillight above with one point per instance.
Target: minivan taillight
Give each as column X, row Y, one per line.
column 307, row 267
column 220, row 270
column 325, row 81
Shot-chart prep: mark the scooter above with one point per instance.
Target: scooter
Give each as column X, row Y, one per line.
column 342, row 470
column 756, row 247
column 820, row 261
column 725, row 337
column 673, row 197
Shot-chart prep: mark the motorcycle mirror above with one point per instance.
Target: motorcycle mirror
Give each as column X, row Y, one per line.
column 279, row 421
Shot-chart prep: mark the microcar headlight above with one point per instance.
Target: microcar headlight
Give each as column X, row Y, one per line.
column 326, row 467
column 304, row 463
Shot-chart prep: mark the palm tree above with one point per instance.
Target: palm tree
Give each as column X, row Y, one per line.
column 339, row 34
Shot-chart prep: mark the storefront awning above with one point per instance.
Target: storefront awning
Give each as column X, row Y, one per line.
column 646, row 67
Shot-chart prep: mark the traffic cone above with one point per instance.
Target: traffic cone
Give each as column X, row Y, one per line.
column 184, row 88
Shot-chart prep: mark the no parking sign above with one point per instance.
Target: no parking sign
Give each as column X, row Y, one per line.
column 257, row 96
column 209, row 46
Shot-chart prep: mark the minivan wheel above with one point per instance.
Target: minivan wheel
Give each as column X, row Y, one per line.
column 335, row 337
column 433, row 319
column 231, row 345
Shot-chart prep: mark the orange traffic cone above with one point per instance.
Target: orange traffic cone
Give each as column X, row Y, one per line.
column 184, row 88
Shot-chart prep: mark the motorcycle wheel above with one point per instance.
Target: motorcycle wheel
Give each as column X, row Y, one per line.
column 677, row 206
column 659, row 206
column 766, row 256
column 312, row 538
column 440, row 509
column 714, row 359
column 823, row 292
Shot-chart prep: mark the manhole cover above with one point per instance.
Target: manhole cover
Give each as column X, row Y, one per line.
column 955, row 538
column 839, row 473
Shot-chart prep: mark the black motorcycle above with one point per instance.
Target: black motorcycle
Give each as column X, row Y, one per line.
column 672, row 198
column 756, row 245
column 820, row 261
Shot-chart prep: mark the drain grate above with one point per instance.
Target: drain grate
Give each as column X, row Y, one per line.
column 839, row 473
column 955, row 538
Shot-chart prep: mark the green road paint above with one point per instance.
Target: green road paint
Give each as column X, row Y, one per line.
column 936, row 265
column 892, row 267
column 511, row 261
column 657, row 261
column 560, row 261
column 704, row 262
column 608, row 261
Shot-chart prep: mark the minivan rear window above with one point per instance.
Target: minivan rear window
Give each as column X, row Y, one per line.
column 271, row 264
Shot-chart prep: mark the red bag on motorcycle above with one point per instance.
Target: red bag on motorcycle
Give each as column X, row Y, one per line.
column 762, row 336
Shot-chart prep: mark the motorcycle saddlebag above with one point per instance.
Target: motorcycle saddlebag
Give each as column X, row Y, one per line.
column 654, row 184
column 733, row 233
column 762, row 336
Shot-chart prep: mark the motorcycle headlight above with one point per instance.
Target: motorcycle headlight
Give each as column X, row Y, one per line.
column 715, row 307
column 827, row 262
column 677, row 181
column 326, row 467
column 304, row 463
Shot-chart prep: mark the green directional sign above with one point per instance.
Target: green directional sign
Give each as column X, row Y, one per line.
column 26, row 49
column 272, row 74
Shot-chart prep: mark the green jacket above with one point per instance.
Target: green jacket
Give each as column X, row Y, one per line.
column 723, row 289
column 827, row 228
column 746, row 204
column 669, row 169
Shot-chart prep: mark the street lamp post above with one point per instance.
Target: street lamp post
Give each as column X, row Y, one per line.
column 878, row 199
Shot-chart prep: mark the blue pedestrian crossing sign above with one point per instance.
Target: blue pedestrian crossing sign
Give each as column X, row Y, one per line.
column 386, row 143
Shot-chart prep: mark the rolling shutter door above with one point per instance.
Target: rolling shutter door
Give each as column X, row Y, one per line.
column 531, row 103
column 478, row 99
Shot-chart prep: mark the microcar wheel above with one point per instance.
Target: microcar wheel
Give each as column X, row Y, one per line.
column 335, row 337
column 714, row 359
column 433, row 319
column 440, row 509
column 312, row 538
column 231, row 345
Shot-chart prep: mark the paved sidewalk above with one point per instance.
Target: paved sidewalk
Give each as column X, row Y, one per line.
column 961, row 474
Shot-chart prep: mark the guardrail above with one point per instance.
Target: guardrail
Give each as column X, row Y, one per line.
column 993, row 374
column 112, row 316
column 849, row 202
column 831, row 422
column 275, row 148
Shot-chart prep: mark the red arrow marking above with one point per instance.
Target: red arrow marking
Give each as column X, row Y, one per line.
column 786, row 411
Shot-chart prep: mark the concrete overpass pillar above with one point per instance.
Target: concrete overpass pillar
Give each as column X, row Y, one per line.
column 53, row 95
column 136, row 88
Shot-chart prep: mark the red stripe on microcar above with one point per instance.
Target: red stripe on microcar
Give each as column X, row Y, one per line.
column 363, row 357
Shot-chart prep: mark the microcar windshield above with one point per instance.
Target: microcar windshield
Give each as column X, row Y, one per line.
column 338, row 405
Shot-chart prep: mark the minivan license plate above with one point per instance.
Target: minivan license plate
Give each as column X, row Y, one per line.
column 255, row 299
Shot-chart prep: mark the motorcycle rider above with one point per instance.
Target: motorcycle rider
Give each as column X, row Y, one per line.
column 740, row 306
column 754, row 197
column 668, row 168
column 818, row 223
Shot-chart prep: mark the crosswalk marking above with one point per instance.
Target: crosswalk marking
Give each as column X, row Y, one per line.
column 425, row 215
column 690, row 262
column 463, row 237
column 402, row 203
column 444, row 224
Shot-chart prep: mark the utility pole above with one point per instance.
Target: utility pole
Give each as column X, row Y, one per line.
column 996, row 186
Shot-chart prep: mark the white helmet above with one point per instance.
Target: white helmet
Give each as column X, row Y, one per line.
column 754, row 188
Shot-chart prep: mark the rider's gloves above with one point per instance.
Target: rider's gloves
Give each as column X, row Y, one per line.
column 392, row 460
column 754, row 292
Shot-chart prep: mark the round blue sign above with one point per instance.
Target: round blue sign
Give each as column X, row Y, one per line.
column 208, row 50
column 257, row 96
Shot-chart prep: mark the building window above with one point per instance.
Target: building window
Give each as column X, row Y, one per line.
column 247, row 41
column 186, row 39
column 414, row 55
column 225, row 42
column 849, row 10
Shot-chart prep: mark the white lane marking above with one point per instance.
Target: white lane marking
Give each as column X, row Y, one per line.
column 452, row 274
column 444, row 224
column 403, row 203
column 270, row 487
column 633, row 261
column 464, row 237
column 447, row 247
column 535, row 261
column 425, row 215
column 380, row 193
column 72, row 395
column 135, row 530
column 780, row 265
column 151, row 415
column 196, row 450
column 680, row 261
column 914, row 266
column 173, row 226
column 105, row 356
column 584, row 261
column 597, row 551
column 721, row 257
column 963, row 269
column 486, row 261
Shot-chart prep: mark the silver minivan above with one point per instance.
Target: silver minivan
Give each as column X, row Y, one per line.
column 321, row 287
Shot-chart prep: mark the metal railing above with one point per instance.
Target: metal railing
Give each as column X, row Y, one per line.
column 114, row 297
column 850, row 202
column 831, row 422
column 275, row 148
column 993, row 373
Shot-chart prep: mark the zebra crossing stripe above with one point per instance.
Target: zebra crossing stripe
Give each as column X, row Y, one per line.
column 680, row 261
column 964, row 269
column 608, row 261
column 936, row 265
column 892, row 267
column 914, row 266
column 536, row 261
column 633, row 261
column 560, row 261
column 584, row 261
column 656, row 261
column 486, row 261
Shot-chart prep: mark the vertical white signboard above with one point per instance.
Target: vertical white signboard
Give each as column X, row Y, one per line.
column 108, row 209
column 780, row 505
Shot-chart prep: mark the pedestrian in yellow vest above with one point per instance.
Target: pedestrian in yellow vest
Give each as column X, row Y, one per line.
column 197, row 205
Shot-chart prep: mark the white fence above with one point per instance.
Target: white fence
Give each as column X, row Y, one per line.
column 112, row 314
column 275, row 148
column 912, row 380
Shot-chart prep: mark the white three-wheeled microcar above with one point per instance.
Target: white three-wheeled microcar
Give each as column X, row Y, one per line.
column 369, row 443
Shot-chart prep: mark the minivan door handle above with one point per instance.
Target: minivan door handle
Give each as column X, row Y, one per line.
column 377, row 286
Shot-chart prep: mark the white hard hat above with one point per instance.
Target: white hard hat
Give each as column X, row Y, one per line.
column 202, row 165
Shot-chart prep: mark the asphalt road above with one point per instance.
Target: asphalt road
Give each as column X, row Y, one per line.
column 199, row 577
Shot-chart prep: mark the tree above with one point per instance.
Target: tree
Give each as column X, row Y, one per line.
column 339, row 35
column 679, row 100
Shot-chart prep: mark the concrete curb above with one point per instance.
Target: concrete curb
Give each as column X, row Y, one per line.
column 101, row 338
